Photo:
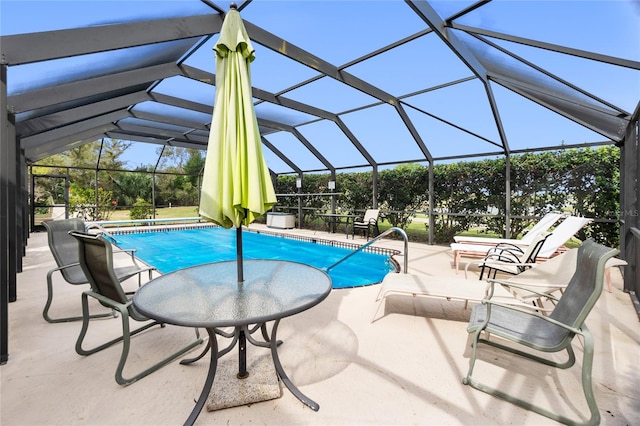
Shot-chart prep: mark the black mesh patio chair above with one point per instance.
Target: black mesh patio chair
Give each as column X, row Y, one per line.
column 65, row 252
column 367, row 224
column 511, row 259
column 546, row 334
column 96, row 260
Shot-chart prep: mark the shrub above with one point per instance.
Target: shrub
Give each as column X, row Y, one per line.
column 141, row 209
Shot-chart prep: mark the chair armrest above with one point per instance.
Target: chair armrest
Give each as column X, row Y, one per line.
column 66, row 266
column 532, row 313
column 503, row 258
column 146, row 268
column 527, row 288
column 514, row 251
column 497, row 262
column 493, row 260
column 509, row 246
column 110, row 302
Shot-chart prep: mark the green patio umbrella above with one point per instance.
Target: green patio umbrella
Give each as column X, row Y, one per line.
column 236, row 186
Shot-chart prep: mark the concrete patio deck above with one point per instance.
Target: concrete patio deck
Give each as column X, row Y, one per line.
column 399, row 365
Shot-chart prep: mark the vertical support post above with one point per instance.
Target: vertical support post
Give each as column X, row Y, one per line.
column 333, row 197
column 11, row 209
column 24, row 181
column 630, row 208
column 300, row 216
column 153, row 182
column 67, row 188
column 18, row 203
column 432, row 222
column 7, row 209
column 374, row 176
column 32, row 200
column 507, row 196
column 97, row 171
column 153, row 194
column 96, row 216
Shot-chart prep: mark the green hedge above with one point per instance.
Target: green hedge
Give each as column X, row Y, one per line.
column 582, row 182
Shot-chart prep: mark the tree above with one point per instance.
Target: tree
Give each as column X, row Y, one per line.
column 357, row 189
column 403, row 190
column 129, row 186
column 194, row 166
column 172, row 157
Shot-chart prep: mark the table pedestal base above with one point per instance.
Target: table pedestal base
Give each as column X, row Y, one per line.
column 261, row 385
column 213, row 366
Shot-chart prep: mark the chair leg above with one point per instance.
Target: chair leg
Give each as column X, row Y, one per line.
column 85, row 326
column 126, row 342
column 125, row 352
column 467, row 380
column 47, row 306
column 587, row 386
column 587, row 363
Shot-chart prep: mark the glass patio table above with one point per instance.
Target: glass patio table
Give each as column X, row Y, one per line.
column 209, row 296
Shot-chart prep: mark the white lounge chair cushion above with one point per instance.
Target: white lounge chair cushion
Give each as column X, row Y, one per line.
column 442, row 287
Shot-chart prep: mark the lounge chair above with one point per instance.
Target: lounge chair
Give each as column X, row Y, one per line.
column 96, row 261
column 541, row 334
column 65, row 252
column 367, row 224
column 422, row 285
column 553, row 245
column 547, row 278
column 510, row 259
column 543, row 225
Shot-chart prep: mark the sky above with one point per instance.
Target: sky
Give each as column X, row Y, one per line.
column 342, row 31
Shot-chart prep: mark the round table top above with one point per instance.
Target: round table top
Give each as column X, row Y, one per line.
column 210, row 295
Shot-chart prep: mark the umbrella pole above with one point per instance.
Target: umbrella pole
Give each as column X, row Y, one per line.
column 242, row 356
column 242, row 342
column 239, row 253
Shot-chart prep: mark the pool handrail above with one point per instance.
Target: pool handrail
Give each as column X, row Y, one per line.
column 102, row 231
column 384, row 234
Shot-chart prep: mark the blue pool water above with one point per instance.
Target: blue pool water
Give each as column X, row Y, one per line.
column 172, row 250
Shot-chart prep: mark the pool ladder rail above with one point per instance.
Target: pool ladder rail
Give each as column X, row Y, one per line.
column 102, row 231
column 382, row 235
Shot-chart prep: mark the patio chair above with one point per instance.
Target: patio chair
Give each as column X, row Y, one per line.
column 543, row 225
column 367, row 224
column 511, row 259
column 545, row 334
column 64, row 249
column 552, row 246
column 96, row 261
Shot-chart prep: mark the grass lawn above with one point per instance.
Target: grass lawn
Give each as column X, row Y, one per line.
column 161, row 213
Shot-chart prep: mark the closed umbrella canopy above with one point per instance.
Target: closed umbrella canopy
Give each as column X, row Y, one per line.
column 236, row 186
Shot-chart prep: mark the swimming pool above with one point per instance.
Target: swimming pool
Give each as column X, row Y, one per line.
column 169, row 250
